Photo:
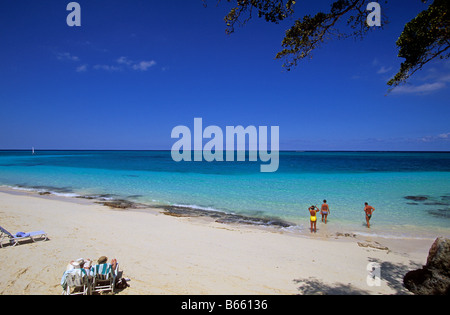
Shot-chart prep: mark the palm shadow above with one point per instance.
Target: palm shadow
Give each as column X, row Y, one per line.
column 392, row 274
column 314, row 286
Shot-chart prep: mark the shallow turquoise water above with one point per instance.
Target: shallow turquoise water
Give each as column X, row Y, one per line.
column 345, row 179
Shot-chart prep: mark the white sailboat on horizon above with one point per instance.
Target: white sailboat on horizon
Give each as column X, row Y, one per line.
column 32, row 150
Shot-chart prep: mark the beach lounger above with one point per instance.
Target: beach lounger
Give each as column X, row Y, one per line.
column 104, row 277
column 76, row 282
column 14, row 240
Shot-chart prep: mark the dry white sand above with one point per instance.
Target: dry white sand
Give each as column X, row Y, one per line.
column 168, row 255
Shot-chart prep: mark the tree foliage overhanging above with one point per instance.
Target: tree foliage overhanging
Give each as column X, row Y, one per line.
column 423, row 39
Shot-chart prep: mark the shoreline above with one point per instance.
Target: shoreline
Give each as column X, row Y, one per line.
column 164, row 254
column 110, row 201
column 336, row 228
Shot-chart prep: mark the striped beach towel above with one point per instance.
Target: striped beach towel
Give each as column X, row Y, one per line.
column 102, row 271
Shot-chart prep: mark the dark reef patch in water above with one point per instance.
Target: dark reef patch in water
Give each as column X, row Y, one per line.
column 45, row 189
column 416, row 198
column 425, row 200
column 135, row 196
column 440, row 213
column 121, row 204
column 436, row 203
column 222, row 217
column 101, row 197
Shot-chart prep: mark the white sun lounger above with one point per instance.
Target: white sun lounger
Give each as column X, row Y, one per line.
column 8, row 238
column 76, row 282
column 104, row 277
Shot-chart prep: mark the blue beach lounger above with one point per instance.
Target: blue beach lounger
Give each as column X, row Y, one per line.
column 8, row 238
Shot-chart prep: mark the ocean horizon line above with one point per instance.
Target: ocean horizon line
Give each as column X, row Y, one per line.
column 168, row 150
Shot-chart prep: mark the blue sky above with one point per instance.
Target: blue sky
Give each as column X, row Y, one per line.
column 136, row 69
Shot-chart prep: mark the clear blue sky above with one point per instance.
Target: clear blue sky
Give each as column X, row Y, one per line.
column 135, row 69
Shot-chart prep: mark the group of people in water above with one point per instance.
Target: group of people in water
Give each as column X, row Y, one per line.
column 325, row 211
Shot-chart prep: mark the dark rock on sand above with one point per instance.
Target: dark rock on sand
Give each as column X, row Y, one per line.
column 434, row 277
column 374, row 245
column 345, row 234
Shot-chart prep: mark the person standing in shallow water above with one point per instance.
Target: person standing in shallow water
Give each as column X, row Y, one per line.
column 369, row 211
column 313, row 217
column 325, row 211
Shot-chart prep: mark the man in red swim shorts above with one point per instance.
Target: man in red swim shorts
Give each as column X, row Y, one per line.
column 368, row 210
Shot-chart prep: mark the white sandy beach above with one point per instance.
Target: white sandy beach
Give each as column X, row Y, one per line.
column 169, row 255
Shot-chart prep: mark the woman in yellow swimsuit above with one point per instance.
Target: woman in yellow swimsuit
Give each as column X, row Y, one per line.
column 313, row 213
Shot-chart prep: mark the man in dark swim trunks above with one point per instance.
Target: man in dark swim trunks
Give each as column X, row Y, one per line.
column 368, row 210
column 324, row 211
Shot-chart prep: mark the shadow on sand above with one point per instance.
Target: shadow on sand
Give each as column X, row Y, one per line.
column 391, row 276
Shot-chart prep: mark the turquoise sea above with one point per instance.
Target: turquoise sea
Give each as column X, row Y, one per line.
column 345, row 179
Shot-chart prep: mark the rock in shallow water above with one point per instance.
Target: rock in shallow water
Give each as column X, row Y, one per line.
column 222, row 217
column 440, row 213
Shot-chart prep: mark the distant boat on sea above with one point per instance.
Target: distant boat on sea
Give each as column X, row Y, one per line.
column 32, row 150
